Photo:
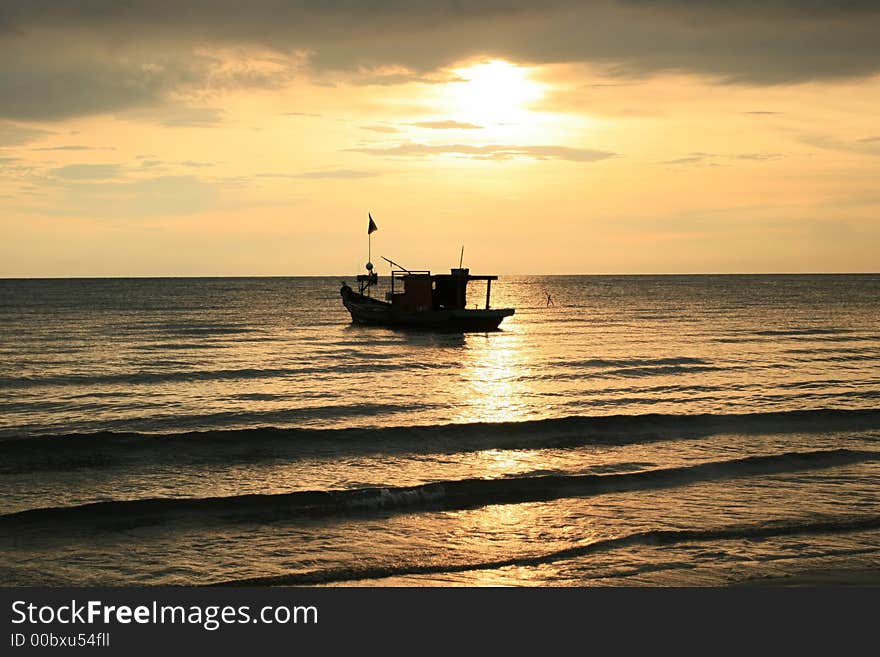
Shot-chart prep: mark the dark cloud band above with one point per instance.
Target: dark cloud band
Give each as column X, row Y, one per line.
column 62, row 58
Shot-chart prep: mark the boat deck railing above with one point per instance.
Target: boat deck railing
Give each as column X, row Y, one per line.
column 400, row 273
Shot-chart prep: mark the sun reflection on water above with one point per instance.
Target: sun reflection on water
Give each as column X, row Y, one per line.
column 503, row 462
column 496, row 372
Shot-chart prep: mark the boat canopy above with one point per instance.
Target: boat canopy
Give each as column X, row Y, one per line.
column 423, row 290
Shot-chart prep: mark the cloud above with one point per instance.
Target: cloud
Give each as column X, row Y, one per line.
column 865, row 146
column 76, row 147
column 12, row 134
column 175, row 114
column 488, row 152
column 385, row 76
column 762, row 112
column 87, row 171
column 338, row 173
column 380, row 128
column 301, row 114
column 447, row 125
column 54, row 85
column 119, row 199
column 347, row 174
column 609, row 85
column 62, row 59
column 192, row 117
column 601, row 102
column 693, row 158
column 758, row 156
column 702, row 158
column 52, row 75
column 10, row 164
column 195, row 164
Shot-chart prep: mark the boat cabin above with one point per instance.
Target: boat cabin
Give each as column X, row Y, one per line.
column 422, row 300
column 422, row 290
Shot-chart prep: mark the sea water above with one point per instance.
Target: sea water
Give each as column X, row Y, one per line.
column 635, row 430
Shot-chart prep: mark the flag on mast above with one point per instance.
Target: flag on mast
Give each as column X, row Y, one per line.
column 372, row 228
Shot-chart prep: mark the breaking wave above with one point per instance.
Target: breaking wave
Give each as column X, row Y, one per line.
column 69, row 451
column 446, row 495
column 650, row 538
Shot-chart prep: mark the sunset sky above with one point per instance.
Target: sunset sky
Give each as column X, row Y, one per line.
column 202, row 137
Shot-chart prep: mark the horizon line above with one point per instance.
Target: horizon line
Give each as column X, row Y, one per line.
column 198, row 276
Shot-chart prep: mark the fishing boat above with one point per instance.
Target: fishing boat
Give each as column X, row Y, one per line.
column 422, row 300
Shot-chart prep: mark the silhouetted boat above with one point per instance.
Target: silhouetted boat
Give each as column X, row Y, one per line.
column 427, row 301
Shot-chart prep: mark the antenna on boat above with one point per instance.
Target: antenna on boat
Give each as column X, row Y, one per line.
column 461, row 258
column 394, row 264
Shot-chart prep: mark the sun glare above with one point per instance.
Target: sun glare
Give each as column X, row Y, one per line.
column 493, row 92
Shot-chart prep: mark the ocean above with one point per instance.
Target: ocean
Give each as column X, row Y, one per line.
column 641, row 430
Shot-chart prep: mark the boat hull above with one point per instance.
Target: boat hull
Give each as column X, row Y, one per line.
column 372, row 312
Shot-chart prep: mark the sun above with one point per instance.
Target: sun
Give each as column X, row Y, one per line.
column 493, row 92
